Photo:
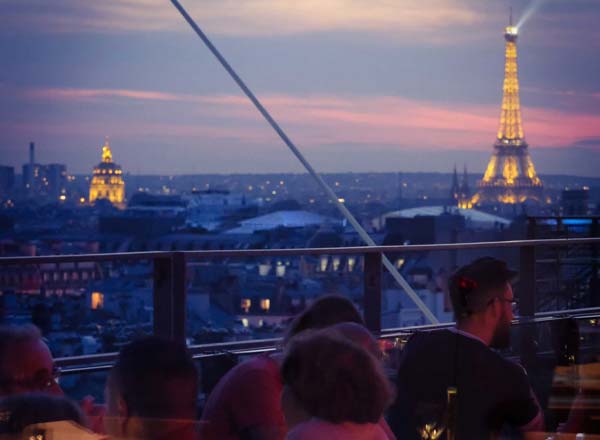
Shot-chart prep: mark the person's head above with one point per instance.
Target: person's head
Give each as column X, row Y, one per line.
column 151, row 389
column 359, row 335
column 325, row 311
column 26, row 363
column 329, row 377
column 482, row 296
column 23, row 410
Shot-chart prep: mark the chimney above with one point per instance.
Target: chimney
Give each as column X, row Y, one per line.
column 31, row 153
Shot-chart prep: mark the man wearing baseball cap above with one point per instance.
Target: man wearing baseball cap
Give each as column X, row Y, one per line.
column 491, row 392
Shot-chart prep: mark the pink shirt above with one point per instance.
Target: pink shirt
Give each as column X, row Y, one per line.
column 248, row 396
column 317, row 429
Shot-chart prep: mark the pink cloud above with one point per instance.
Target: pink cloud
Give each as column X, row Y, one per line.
column 316, row 120
column 70, row 94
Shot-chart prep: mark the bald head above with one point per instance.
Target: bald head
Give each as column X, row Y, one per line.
column 26, row 363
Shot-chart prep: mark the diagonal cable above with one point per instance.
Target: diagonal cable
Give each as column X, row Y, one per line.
column 332, row 196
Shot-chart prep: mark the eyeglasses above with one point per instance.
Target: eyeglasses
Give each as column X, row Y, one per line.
column 41, row 381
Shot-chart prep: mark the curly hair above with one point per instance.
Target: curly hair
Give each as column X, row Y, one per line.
column 334, row 379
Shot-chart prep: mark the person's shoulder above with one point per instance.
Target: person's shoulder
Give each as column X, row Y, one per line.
column 256, row 369
column 255, row 363
column 514, row 370
column 261, row 368
column 510, row 371
column 430, row 338
column 259, row 365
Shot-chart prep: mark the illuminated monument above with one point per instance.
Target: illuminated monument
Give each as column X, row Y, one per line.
column 107, row 181
column 510, row 176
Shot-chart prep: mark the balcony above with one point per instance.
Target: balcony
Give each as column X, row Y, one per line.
column 558, row 288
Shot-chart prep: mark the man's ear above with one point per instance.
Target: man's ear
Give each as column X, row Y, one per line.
column 496, row 308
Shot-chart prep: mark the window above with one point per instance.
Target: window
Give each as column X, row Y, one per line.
column 245, row 304
column 97, row 300
column 265, row 304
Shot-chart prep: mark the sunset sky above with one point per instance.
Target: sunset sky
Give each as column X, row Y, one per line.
column 359, row 85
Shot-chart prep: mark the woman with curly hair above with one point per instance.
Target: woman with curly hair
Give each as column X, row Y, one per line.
column 333, row 389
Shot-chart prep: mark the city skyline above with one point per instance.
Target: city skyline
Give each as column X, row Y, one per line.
column 359, row 86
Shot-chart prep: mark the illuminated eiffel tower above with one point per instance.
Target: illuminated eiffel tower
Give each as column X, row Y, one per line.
column 510, row 176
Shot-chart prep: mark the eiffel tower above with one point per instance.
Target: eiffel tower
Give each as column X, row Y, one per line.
column 510, row 176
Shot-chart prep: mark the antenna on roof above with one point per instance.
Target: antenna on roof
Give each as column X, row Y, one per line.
column 332, row 196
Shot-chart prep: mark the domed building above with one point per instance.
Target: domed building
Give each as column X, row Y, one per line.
column 107, row 181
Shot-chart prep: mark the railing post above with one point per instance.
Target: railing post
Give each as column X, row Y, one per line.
column 527, row 305
column 179, row 296
column 595, row 282
column 169, row 296
column 527, row 291
column 372, row 291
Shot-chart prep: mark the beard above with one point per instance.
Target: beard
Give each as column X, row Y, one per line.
column 501, row 336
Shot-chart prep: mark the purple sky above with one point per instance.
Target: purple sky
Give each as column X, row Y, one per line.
column 359, row 85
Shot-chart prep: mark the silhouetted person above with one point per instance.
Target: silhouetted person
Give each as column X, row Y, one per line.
column 26, row 363
column 245, row 404
column 359, row 335
column 491, row 391
column 333, row 389
column 151, row 391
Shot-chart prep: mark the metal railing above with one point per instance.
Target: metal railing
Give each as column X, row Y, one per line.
column 169, row 283
column 103, row 362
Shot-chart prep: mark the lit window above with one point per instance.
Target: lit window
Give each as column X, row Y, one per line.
column 265, row 304
column 336, row 263
column 97, row 300
column 324, row 261
column 280, row 271
column 264, row 269
column 351, row 263
column 245, row 304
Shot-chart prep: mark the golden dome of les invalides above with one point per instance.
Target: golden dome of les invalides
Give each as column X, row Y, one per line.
column 107, row 181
